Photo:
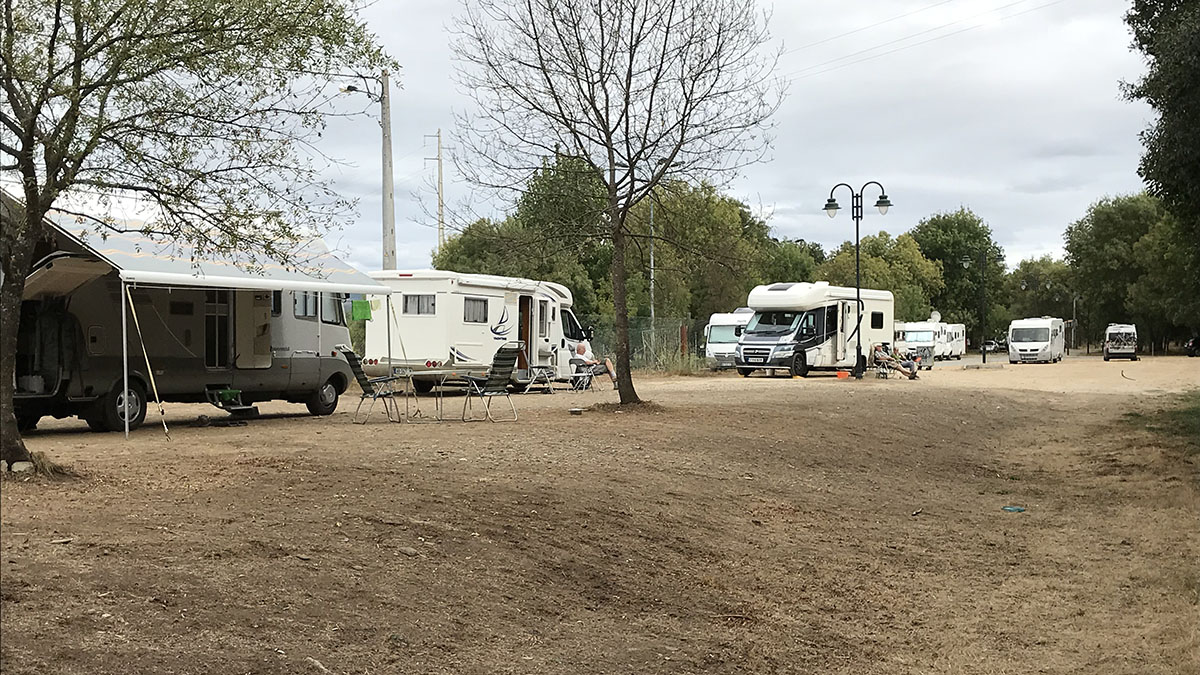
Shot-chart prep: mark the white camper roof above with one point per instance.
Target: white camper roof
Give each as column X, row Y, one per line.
column 562, row 293
column 730, row 318
column 1034, row 322
column 1121, row 328
column 142, row 260
column 804, row 295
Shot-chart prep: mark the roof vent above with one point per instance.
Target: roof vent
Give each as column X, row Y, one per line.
column 780, row 287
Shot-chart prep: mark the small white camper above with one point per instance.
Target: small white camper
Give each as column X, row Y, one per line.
column 921, row 341
column 721, row 337
column 1120, row 341
column 956, row 340
column 448, row 321
column 1036, row 340
column 798, row 327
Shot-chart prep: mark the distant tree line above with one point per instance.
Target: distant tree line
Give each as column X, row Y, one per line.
column 1126, row 259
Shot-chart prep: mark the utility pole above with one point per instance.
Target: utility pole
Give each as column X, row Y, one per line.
column 389, row 192
column 441, row 240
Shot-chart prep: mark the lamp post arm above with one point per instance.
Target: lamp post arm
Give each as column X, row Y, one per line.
column 845, row 185
column 876, row 183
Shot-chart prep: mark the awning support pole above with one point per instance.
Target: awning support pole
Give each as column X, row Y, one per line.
column 124, row 358
column 388, row 321
column 162, row 413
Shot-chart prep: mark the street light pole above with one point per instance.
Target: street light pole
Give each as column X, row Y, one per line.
column 966, row 263
column 652, row 325
column 856, row 212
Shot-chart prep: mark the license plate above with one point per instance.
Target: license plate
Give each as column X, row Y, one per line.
column 755, row 360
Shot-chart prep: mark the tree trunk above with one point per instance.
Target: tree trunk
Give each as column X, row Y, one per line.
column 621, row 309
column 16, row 247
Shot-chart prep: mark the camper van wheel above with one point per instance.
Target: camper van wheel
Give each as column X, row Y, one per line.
column 799, row 366
column 423, row 386
column 324, row 400
column 111, row 413
column 745, row 372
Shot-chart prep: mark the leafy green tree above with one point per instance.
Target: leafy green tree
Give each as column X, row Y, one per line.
column 1100, row 252
column 206, row 110
column 1039, row 287
column 1161, row 297
column 895, row 265
column 1167, row 32
column 949, row 239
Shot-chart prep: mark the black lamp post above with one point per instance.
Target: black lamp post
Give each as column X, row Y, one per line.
column 966, row 262
column 856, row 211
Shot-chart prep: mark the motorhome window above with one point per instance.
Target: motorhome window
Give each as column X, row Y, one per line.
column 571, row 328
column 475, row 310
column 876, row 320
column 1030, row 335
column 305, row 305
column 216, row 329
column 419, row 304
column 331, row 309
column 778, row 322
column 276, row 303
column 918, row 336
column 722, row 335
column 182, row 308
column 216, row 295
column 543, row 318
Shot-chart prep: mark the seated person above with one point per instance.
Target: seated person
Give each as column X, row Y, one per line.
column 584, row 351
column 908, row 368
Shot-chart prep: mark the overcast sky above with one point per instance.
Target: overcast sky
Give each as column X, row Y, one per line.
column 1009, row 107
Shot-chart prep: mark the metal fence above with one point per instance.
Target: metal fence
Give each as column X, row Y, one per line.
column 663, row 343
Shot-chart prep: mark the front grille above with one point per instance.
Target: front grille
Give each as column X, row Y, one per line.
column 756, row 352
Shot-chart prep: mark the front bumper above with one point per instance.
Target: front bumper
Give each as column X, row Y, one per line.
column 721, row 362
column 764, row 357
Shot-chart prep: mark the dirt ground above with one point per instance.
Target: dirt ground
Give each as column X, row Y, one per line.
column 738, row 526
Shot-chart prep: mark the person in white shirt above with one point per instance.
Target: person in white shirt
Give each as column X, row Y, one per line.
column 605, row 367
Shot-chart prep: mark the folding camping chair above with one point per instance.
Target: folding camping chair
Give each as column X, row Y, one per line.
column 495, row 384
column 581, row 375
column 373, row 388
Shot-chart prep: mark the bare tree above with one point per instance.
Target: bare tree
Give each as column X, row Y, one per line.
column 641, row 91
column 206, row 110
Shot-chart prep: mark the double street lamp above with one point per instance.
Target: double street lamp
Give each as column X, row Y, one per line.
column 966, row 263
column 856, row 212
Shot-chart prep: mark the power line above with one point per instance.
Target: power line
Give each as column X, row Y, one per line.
column 859, row 30
column 913, row 35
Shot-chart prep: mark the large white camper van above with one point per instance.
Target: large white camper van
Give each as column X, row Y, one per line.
column 213, row 329
column 798, row 327
column 1040, row 340
column 1120, row 341
column 441, row 320
column 721, row 339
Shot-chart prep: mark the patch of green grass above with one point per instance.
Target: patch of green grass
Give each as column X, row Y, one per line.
column 1180, row 421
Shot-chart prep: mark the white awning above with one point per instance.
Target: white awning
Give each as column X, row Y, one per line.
column 247, row 282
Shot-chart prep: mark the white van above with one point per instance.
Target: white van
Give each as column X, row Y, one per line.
column 1120, row 341
column 798, row 327
column 441, row 320
column 956, row 340
column 720, row 337
column 1040, row 340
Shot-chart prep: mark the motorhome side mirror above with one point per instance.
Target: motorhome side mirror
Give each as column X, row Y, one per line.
column 738, row 330
column 589, row 333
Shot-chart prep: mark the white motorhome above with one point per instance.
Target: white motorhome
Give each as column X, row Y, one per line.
column 798, row 327
column 1036, row 340
column 955, row 340
column 921, row 341
column 721, row 338
column 212, row 329
column 438, row 320
column 1120, row 341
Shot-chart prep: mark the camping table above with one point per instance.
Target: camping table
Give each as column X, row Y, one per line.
column 440, row 377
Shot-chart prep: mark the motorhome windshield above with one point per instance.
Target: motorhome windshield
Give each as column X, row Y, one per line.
column 1030, row 335
column 777, row 323
column 918, row 336
column 721, row 335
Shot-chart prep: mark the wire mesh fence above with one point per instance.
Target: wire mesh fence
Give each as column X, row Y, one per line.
column 664, row 343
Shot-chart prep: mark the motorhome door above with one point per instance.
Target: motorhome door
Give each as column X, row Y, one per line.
column 216, row 329
column 847, row 332
column 525, row 330
column 544, row 347
column 252, row 329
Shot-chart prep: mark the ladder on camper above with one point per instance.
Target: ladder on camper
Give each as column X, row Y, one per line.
column 228, row 399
